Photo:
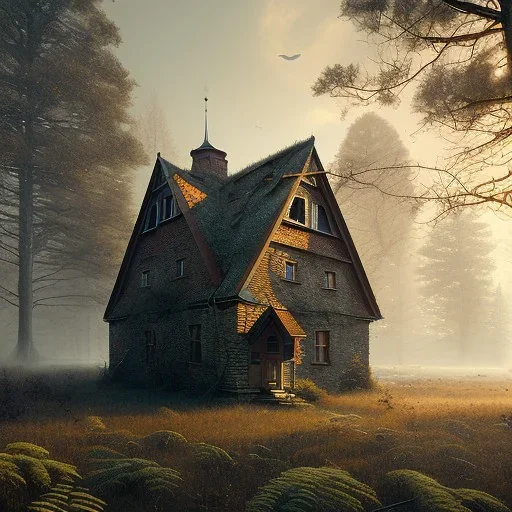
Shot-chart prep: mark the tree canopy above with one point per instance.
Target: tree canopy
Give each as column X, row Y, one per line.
column 458, row 57
column 65, row 152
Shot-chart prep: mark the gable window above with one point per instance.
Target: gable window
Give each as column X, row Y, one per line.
column 321, row 347
column 330, row 280
column 272, row 345
column 150, row 346
column 298, row 210
column 319, row 219
column 144, row 279
column 195, row 343
column 180, row 267
column 169, row 207
column 290, row 270
column 151, row 217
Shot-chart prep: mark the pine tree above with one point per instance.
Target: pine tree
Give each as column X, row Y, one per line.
column 65, row 154
column 456, row 274
column 498, row 349
column 379, row 223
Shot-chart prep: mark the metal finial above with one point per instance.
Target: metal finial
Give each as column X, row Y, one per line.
column 206, row 119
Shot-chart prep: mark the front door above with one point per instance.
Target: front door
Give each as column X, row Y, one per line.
column 271, row 362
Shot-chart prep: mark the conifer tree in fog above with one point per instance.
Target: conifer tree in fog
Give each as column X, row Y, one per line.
column 456, row 279
column 379, row 223
column 498, row 350
column 65, row 156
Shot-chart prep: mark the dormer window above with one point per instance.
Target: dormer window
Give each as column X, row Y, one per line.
column 151, row 217
column 298, row 210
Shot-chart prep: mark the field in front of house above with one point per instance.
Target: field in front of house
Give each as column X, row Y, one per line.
column 449, row 428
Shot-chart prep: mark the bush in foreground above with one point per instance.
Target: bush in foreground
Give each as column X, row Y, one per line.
column 308, row 390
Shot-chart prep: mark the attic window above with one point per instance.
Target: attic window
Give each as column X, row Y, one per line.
column 169, row 207
column 180, row 267
column 298, row 210
column 319, row 219
column 144, row 280
column 152, row 217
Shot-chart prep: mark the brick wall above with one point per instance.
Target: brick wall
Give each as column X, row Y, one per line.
column 157, row 251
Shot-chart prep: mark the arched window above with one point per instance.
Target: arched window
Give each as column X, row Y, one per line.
column 298, row 210
column 323, row 220
column 319, row 219
column 151, row 217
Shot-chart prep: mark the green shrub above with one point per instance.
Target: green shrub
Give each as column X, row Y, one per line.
column 357, row 375
column 313, row 489
column 32, row 450
column 308, row 390
column 429, row 495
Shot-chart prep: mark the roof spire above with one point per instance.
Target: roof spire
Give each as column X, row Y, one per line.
column 205, row 119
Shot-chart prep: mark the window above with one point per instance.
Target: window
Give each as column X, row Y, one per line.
column 151, row 217
column 298, row 210
column 319, row 219
column 144, row 282
column 150, row 346
column 180, row 267
column 330, row 280
column 272, row 345
column 195, row 343
column 290, row 270
column 321, row 347
column 169, row 207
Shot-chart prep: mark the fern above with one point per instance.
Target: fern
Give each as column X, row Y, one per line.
column 26, row 472
column 29, row 449
column 66, row 498
column 145, row 481
column 429, row 495
column 208, row 456
column 164, row 439
column 310, row 489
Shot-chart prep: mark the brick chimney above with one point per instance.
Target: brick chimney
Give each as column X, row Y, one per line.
column 208, row 159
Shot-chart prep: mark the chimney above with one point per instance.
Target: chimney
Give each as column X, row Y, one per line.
column 206, row 158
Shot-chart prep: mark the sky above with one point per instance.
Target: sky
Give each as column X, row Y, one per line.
column 179, row 51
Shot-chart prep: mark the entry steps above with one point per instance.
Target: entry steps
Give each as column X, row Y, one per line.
column 280, row 397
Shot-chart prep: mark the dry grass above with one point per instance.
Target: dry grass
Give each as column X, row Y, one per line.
column 450, row 429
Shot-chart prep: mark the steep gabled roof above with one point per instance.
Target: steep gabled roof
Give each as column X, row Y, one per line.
column 232, row 220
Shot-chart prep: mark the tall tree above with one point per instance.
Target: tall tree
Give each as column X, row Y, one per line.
column 380, row 224
column 498, row 351
column 65, row 152
column 458, row 56
column 456, row 276
column 152, row 130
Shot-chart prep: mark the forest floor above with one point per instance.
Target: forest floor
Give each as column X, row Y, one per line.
column 453, row 428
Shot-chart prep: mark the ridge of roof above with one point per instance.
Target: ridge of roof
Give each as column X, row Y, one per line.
column 273, row 156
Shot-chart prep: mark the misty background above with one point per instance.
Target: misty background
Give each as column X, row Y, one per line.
column 443, row 287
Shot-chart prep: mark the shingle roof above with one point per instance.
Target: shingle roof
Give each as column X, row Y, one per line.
column 235, row 216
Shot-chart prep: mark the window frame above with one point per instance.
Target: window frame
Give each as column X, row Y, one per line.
column 144, row 279
column 328, row 273
column 180, row 268
column 148, row 216
column 325, row 347
column 315, row 208
column 274, row 339
column 196, row 347
column 293, row 265
column 175, row 211
column 303, row 199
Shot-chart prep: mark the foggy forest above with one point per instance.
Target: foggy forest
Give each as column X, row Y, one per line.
column 286, row 323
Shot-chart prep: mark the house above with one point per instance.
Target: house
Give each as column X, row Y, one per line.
column 240, row 282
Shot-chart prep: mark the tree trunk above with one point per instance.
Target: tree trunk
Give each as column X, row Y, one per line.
column 25, row 347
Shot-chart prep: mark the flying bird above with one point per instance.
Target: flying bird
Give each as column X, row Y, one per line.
column 290, row 57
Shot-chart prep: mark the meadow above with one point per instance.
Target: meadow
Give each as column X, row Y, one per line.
column 458, row 431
